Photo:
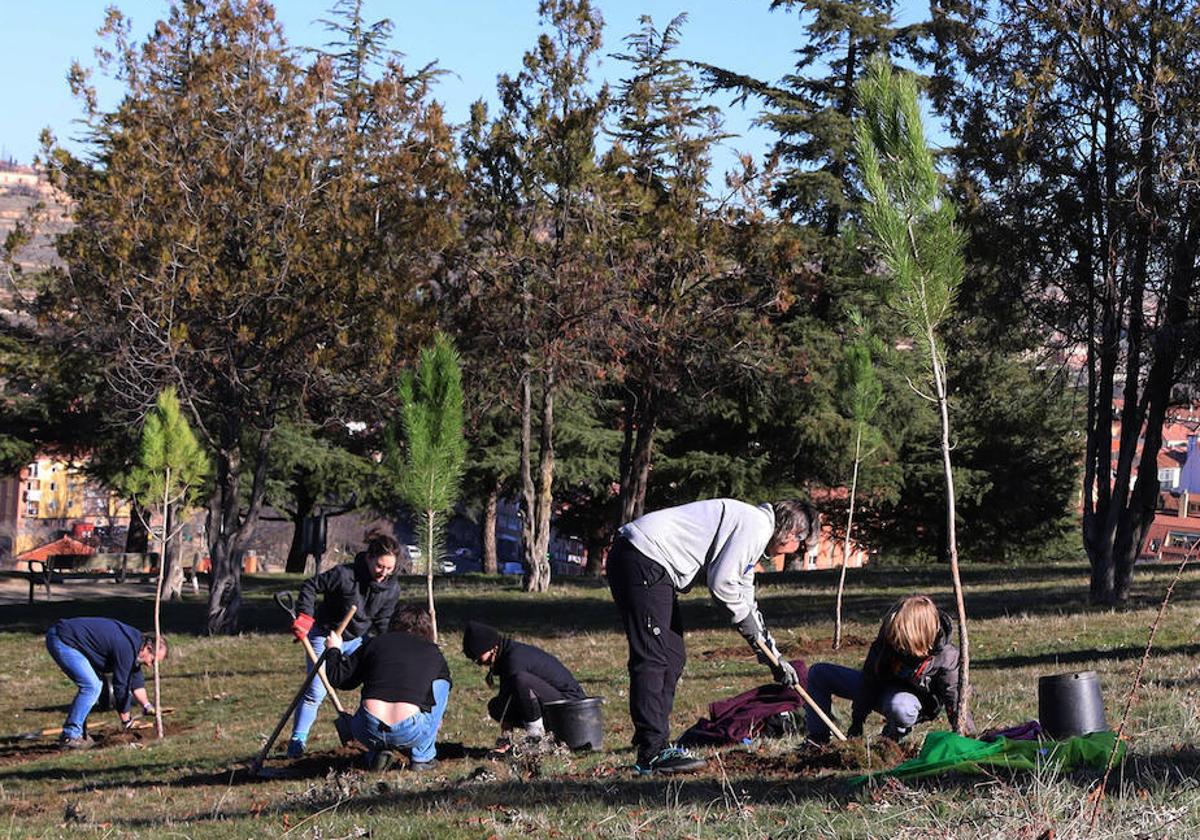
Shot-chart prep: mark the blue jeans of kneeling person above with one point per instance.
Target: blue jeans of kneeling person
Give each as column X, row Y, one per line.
column 417, row 733
column 76, row 666
column 900, row 709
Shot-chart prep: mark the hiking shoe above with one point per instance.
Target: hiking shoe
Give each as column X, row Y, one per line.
column 83, row 742
column 423, row 766
column 380, row 760
column 670, row 761
column 295, row 748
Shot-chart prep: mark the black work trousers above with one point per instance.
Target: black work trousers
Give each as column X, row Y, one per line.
column 649, row 610
column 520, row 699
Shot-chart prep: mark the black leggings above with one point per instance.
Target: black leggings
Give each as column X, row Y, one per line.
column 649, row 610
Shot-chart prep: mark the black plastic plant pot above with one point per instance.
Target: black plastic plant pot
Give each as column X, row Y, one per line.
column 1071, row 704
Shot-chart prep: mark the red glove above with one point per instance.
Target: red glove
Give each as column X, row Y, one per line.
column 301, row 626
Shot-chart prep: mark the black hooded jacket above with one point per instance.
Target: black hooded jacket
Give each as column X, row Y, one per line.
column 350, row 583
column 515, row 657
column 933, row 679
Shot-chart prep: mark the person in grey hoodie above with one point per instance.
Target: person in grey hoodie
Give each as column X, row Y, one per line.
column 658, row 555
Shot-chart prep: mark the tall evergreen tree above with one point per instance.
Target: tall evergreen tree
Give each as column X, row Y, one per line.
column 251, row 231
column 1078, row 141
column 538, row 270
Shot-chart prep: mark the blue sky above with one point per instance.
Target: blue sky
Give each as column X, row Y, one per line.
column 474, row 39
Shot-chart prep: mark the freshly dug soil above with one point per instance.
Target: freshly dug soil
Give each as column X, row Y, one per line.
column 812, row 760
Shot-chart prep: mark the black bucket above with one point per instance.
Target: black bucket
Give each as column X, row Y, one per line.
column 577, row 723
column 1071, row 704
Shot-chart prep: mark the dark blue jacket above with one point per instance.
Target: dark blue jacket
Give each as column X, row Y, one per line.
column 109, row 646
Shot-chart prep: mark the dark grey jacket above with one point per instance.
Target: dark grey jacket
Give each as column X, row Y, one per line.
column 350, row 583
column 933, row 680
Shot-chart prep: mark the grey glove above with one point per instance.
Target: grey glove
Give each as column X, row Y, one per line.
column 751, row 627
column 785, row 674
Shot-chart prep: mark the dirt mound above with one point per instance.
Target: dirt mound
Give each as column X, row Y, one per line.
column 801, row 648
column 812, row 759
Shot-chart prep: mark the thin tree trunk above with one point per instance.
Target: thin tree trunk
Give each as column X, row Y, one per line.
column 540, row 565
column 429, row 563
column 638, row 452
column 489, row 560
column 964, row 674
column 837, row 621
column 158, row 596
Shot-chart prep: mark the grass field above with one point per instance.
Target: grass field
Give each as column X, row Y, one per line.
column 229, row 692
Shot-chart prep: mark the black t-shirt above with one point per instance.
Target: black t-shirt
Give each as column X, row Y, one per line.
column 393, row 667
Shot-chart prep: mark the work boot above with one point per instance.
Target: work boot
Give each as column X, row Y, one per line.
column 423, row 766
column 83, row 742
column 379, row 761
column 670, row 761
column 295, row 748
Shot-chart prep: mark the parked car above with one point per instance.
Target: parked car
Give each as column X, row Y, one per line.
column 447, row 567
column 512, row 567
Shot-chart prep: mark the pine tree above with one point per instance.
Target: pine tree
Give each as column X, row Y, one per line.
column 912, row 223
column 168, row 476
column 863, row 393
column 434, row 448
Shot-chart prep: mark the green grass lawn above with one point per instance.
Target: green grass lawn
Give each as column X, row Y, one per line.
column 229, row 693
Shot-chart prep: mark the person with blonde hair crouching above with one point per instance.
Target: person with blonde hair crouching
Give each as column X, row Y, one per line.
column 910, row 674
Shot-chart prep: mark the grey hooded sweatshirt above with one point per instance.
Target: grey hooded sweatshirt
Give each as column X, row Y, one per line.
column 724, row 538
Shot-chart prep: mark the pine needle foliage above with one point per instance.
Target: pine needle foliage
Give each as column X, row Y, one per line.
column 435, row 448
column 922, row 251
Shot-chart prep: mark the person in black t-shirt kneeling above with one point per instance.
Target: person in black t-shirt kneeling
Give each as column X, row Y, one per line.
column 405, row 687
column 528, row 677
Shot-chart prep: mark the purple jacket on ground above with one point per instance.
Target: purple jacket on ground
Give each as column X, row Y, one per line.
column 734, row 719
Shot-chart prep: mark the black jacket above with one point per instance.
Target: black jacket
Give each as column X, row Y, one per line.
column 515, row 657
column 350, row 583
column 395, row 667
column 934, row 679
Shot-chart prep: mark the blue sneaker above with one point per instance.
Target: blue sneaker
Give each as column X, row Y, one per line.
column 670, row 761
column 295, row 748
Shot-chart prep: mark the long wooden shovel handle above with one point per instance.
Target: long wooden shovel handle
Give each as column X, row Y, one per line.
column 804, row 695
column 312, row 657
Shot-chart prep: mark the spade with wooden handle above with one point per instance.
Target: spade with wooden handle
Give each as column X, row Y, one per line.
column 257, row 763
column 804, row 695
column 342, row 722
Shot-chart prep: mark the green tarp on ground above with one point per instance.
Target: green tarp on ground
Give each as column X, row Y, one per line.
column 945, row 751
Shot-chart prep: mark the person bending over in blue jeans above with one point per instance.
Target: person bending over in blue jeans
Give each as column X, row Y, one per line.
column 405, row 687
column 85, row 648
column 910, row 674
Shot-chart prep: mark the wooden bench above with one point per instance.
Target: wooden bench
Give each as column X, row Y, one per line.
column 45, row 572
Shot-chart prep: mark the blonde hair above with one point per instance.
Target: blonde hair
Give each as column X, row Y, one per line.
column 911, row 625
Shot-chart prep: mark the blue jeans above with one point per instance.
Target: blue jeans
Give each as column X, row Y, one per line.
column 76, row 666
column 418, row 733
column 306, row 712
column 826, row 681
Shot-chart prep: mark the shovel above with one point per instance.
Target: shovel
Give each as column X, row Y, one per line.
column 804, row 695
column 52, row 731
column 342, row 721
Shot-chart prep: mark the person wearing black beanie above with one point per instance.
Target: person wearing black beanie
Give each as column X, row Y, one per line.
column 528, row 678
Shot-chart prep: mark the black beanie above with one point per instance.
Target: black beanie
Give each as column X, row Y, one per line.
column 478, row 639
